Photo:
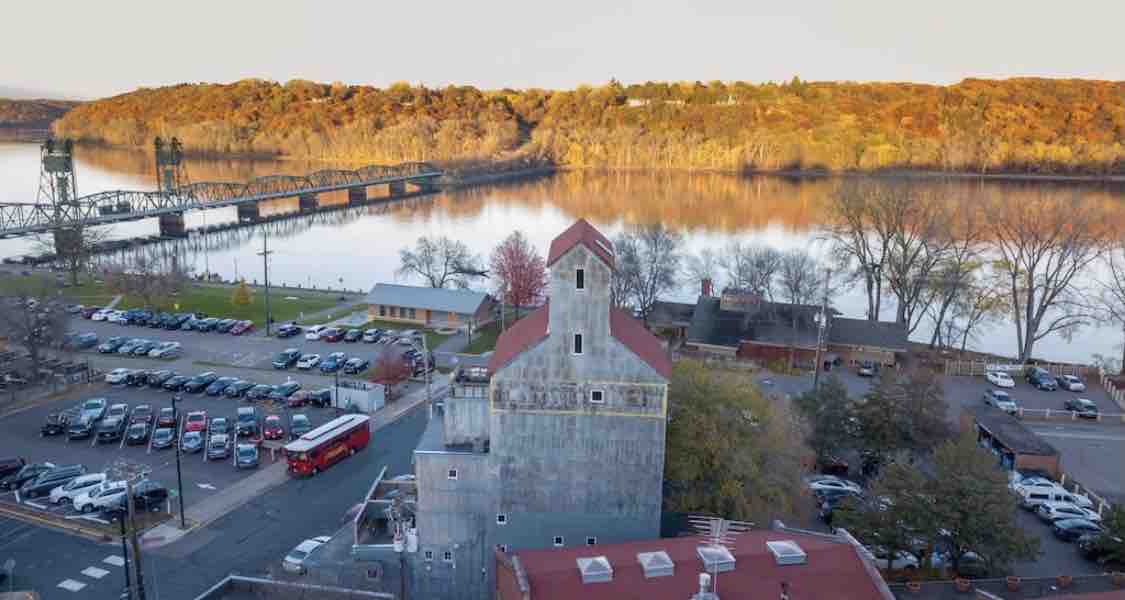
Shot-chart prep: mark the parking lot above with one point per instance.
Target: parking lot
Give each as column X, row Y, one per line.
column 201, row 477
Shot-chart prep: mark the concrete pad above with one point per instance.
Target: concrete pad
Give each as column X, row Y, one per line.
column 94, row 572
column 115, row 560
column 71, row 585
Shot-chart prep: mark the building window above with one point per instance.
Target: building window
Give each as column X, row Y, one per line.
column 429, row 554
column 452, row 474
column 447, row 557
column 394, row 311
column 502, row 547
column 501, row 519
column 578, row 343
column 597, row 397
column 413, row 314
column 558, row 540
column 590, row 541
column 382, row 310
column 580, row 279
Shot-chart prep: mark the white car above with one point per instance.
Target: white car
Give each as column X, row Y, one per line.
column 833, row 483
column 313, row 333
column 1071, row 383
column 117, row 376
column 1000, row 379
column 308, row 361
column 101, row 315
column 166, row 350
column 105, row 494
column 902, row 559
column 1053, row 511
column 294, row 562
column 117, row 316
column 76, row 487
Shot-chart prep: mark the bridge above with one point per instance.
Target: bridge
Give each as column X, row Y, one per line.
column 57, row 212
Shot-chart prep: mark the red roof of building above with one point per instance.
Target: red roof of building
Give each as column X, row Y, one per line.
column 624, row 328
column 833, row 570
column 581, row 232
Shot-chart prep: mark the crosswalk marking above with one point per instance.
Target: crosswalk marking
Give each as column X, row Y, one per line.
column 115, row 560
column 71, row 585
column 94, row 572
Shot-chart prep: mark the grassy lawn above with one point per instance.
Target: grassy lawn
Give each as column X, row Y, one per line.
column 484, row 339
column 433, row 338
column 216, row 300
column 86, row 292
column 332, row 316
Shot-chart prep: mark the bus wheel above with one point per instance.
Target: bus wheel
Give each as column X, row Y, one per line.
column 316, row 470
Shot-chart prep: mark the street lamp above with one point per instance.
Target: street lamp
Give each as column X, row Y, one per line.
column 179, row 473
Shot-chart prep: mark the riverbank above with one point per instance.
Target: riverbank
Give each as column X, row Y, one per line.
column 932, row 174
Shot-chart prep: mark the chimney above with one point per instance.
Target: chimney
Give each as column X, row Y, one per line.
column 705, row 287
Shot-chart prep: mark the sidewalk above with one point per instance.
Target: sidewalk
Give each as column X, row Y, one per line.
column 202, row 514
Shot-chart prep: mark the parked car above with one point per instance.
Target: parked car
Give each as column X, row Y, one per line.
column 334, row 362
column 1041, row 379
column 83, row 341
column 259, row 392
column 100, row 496
column 117, row 376
column 1000, row 399
column 224, row 325
column 146, row 346
column 137, row 434
column 321, row 397
column 176, row 383
column 294, row 562
column 1069, row 530
column 356, row 365
column 157, row 379
column 866, row 369
column 111, row 429
column 50, row 479
column 167, row 350
column 242, row 327
column 163, row 437
column 238, row 388
column 217, row 387
column 308, row 361
column 286, row 358
column 828, row 482
column 142, row 413
column 218, row 426
column 299, row 425
column 93, row 409
column 246, row 456
column 192, row 442
column 177, row 321
column 205, row 325
column 129, row 345
column 1000, row 379
column 80, row 429
column 371, row 336
column 56, row 424
column 189, row 324
column 218, row 447
column 288, row 330
column 200, row 382
column 272, row 429
column 902, row 560
column 118, row 411
column 147, row 495
column 137, row 377
column 65, row 494
column 87, row 312
column 101, row 314
column 13, row 481
column 247, row 421
column 1070, row 383
column 1049, row 512
column 353, row 335
column 313, row 333
column 196, row 421
column 112, row 344
column 166, row 418
column 283, row 391
column 1083, row 407
column 1100, row 547
column 10, row 465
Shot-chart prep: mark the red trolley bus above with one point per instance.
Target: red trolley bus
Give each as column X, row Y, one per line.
column 328, row 444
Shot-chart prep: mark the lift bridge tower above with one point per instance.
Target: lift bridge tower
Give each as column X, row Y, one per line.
column 171, row 175
column 58, row 187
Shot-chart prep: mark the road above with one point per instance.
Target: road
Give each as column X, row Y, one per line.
column 248, row 540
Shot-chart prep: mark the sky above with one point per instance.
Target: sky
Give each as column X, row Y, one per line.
column 94, row 49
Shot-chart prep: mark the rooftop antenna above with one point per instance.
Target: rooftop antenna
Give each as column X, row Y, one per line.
column 718, row 533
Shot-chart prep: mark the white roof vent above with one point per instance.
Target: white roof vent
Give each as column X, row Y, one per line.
column 656, row 564
column 716, row 559
column 787, row 552
column 595, row 569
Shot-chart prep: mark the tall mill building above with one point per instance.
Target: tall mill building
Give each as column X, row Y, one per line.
column 558, row 442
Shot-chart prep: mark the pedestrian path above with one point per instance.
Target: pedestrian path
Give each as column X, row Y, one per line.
column 92, row 572
column 113, row 303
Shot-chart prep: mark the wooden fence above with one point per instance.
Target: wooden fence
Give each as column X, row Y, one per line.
column 980, row 367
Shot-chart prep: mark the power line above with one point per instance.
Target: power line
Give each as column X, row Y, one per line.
column 265, row 254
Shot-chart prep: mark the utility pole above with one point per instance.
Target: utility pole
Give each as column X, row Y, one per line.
column 135, row 541
column 128, row 592
column 265, row 254
column 821, row 329
column 179, row 474
column 426, row 366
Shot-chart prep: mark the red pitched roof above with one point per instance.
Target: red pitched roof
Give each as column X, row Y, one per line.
column 581, row 232
column 633, row 334
column 624, row 328
column 833, row 570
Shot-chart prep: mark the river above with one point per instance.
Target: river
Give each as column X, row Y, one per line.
column 359, row 247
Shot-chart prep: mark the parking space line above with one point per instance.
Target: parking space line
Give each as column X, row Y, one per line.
column 35, row 504
column 114, row 559
column 71, row 585
column 94, row 572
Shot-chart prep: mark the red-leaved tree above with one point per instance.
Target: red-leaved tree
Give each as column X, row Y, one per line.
column 519, row 271
column 390, row 370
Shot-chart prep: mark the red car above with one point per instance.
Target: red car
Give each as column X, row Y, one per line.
column 242, row 327
column 272, row 430
column 167, row 418
column 332, row 334
column 196, row 421
column 142, row 413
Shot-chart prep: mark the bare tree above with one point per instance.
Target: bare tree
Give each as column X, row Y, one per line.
column 799, row 280
column 440, row 262
column 73, row 247
column 860, row 237
column 961, row 264
column 1111, row 297
column 751, row 267
column 704, row 265
column 626, row 262
column 32, row 318
column 648, row 259
column 1045, row 244
column 979, row 301
column 144, row 278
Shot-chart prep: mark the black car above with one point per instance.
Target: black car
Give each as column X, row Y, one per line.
column 11, row 465
column 1100, row 547
column 299, row 425
column 259, row 392
column 157, row 379
column 50, row 479
column 147, row 495
column 283, row 391
column 163, row 437
column 176, row 383
column 83, row 341
column 216, row 387
column 176, row 321
column 143, row 348
column 356, row 365
column 224, row 325
column 200, row 382
column 25, row 473
column 111, row 429
column 353, row 335
column 238, row 388
column 1069, row 530
column 288, row 330
column 286, row 358
column 80, row 429
column 205, row 325
column 56, row 424
column 137, row 434
column 137, row 378
column 112, row 344
column 159, row 321
column 247, row 423
column 1042, row 379
column 1083, row 407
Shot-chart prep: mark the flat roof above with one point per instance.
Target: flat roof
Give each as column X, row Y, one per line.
column 433, row 440
column 1010, row 432
column 326, row 431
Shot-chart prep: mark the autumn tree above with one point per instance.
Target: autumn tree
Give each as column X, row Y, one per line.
column 440, row 262
column 730, row 451
column 241, row 295
column 390, row 370
column 518, row 271
column 648, row 261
